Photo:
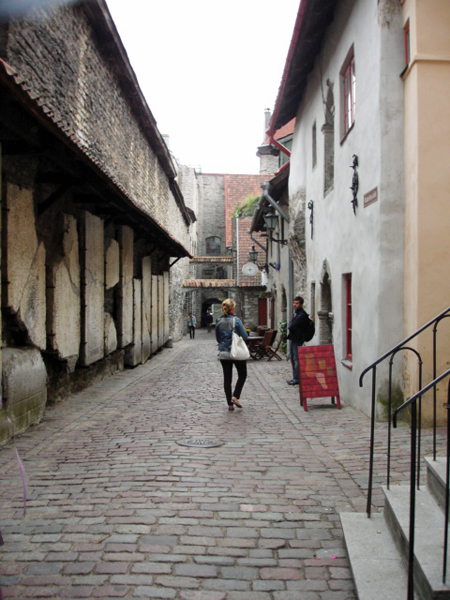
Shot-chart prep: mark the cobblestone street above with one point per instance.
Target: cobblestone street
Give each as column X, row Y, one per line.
column 117, row 508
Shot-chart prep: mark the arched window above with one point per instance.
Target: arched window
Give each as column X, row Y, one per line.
column 213, row 245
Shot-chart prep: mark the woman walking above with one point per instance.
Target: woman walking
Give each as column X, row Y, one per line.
column 224, row 330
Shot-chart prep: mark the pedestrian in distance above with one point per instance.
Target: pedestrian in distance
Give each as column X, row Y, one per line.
column 209, row 320
column 224, row 330
column 296, row 336
column 192, row 324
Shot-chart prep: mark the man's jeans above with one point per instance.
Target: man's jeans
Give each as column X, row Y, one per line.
column 294, row 346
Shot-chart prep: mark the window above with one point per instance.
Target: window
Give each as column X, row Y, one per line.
column 287, row 143
column 314, row 145
column 213, row 245
column 407, row 46
column 348, row 83
column 348, row 319
column 312, row 306
column 328, row 134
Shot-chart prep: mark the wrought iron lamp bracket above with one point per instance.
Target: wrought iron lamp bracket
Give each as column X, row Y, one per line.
column 311, row 216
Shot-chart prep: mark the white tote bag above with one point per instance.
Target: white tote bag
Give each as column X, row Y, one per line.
column 239, row 349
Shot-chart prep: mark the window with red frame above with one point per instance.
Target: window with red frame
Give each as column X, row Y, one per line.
column 407, row 47
column 348, row 318
column 349, row 94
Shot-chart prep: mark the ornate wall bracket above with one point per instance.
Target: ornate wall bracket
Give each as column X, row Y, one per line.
column 311, row 216
column 355, row 183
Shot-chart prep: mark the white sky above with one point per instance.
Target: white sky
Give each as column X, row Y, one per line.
column 208, row 69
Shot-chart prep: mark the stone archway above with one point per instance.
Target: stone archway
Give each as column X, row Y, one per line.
column 206, row 304
column 325, row 312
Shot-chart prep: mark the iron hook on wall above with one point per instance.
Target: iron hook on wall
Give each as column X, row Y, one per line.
column 355, row 183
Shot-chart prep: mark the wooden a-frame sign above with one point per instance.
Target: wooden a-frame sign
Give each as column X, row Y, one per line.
column 317, row 374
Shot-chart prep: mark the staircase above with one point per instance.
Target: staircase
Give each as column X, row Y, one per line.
column 378, row 546
column 401, row 553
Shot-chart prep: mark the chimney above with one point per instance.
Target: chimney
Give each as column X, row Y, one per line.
column 267, row 117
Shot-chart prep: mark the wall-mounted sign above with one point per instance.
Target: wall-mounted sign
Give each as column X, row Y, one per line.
column 371, row 197
column 318, row 377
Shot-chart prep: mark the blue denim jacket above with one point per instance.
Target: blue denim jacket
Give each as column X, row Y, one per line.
column 224, row 328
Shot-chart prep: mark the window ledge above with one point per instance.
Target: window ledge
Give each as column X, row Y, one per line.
column 347, row 363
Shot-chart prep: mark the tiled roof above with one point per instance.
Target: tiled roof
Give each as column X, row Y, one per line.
column 211, row 259
column 31, row 100
column 209, row 283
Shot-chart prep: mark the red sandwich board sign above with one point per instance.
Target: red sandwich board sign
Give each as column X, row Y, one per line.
column 317, row 374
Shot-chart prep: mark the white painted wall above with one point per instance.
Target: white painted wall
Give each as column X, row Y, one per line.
column 369, row 245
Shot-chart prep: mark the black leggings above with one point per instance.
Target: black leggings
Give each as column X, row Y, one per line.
column 227, row 366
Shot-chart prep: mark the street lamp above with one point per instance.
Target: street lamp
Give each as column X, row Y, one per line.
column 253, row 254
column 271, row 220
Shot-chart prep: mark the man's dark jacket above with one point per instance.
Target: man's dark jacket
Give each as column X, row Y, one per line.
column 297, row 326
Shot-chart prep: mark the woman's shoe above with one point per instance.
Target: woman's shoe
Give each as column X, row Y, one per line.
column 230, row 407
column 236, row 402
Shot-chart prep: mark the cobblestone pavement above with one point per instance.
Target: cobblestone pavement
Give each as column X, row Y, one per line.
column 118, row 509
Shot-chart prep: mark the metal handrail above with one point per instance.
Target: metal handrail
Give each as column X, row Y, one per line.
column 438, row 320
column 373, row 368
column 415, row 402
column 412, row 336
column 415, row 468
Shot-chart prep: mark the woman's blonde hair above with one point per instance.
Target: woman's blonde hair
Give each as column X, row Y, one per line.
column 228, row 306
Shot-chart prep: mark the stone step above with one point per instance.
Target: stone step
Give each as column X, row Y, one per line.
column 436, row 478
column 377, row 567
column 429, row 537
column 378, row 547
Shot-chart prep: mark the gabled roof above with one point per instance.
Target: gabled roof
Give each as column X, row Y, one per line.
column 313, row 19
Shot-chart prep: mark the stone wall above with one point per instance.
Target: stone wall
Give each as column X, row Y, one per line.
column 92, row 213
column 212, row 212
column 181, row 300
column 76, row 72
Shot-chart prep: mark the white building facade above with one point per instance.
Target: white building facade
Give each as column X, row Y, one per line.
column 349, row 133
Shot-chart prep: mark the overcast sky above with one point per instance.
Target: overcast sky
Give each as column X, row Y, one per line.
column 208, row 69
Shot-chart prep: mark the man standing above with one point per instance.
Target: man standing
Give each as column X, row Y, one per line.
column 209, row 320
column 296, row 328
column 192, row 324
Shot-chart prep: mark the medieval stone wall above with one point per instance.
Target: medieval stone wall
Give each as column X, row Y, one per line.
column 212, row 212
column 85, row 284
column 76, row 76
column 181, row 300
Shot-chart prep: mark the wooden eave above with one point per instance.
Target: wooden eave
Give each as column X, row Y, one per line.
column 313, row 19
column 29, row 128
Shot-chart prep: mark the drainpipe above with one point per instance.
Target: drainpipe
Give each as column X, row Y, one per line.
column 265, row 194
column 238, row 275
column 256, row 241
column 277, row 144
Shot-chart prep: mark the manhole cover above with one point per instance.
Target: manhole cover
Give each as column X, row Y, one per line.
column 200, row 443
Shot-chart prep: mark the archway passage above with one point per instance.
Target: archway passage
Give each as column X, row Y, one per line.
column 207, row 305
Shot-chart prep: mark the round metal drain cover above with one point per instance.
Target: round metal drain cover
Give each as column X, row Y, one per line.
column 200, row 443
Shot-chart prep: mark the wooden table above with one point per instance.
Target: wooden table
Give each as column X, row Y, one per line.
column 253, row 341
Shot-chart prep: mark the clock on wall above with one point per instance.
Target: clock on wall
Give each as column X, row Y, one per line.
column 249, row 269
